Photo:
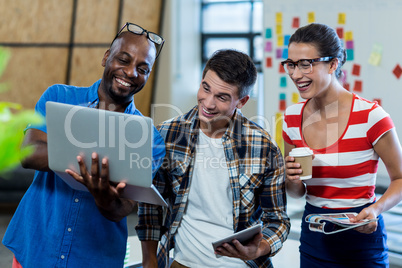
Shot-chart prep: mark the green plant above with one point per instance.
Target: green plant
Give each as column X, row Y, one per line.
column 13, row 121
column 12, row 133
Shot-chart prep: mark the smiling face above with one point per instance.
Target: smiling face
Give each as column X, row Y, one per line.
column 128, row 64
column 217, row 102
column 321, row 77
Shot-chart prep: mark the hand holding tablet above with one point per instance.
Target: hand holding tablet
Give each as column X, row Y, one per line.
column 243, row 236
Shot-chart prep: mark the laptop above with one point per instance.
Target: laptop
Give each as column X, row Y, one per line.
column 126, row 140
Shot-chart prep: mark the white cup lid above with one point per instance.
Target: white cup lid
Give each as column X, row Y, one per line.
column 301, row 151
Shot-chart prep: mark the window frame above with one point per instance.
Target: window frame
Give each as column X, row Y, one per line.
column 250, row 35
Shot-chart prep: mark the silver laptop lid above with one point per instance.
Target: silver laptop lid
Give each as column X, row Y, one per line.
column 125, row 139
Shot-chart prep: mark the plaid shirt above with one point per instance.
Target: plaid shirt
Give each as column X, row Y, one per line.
column 256, row 172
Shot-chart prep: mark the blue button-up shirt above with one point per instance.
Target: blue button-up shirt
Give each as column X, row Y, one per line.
column 57, row 226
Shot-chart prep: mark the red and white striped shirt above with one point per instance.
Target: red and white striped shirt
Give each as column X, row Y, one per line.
column 344, row 174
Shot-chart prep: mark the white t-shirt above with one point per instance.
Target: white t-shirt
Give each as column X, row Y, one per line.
column 209, row 213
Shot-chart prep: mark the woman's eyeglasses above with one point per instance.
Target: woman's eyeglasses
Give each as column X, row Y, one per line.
column 305, row 65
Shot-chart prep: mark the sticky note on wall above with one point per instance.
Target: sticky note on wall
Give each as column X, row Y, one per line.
column 296, row 22
column 282, row 102
column 374, row 59
column 268, row 62
column 283, row 82
column 278, row 17
column 282, row 105
column 349, row 44
column 341, row 18
column 268, row 46
column 397, row 71
column 358, row 86
column 348, row 36
column 295, row 97
column 350, row 54
column 280, row 41
column 286, row 39
column 279, row 53
column 376, row 55
column 268, row 33
column 339, row 32
column 310, row 17
column 356, row 69
column 285, row 53
column 278, row 29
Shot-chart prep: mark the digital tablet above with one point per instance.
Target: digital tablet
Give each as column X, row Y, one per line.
column 243, row 236
column 125, row 139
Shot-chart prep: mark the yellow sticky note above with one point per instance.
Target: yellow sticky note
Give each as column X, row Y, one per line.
column 295, row 97
column 310, row 17
column 349, row 36
column 341, row 18
column 279, row 29
column 278, row 16
column 278, row 131
column 281, row 41
column 375, row 59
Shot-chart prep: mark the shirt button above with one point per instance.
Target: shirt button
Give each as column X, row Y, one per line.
column 76, row 200
column 62, row 257
column 69, row 229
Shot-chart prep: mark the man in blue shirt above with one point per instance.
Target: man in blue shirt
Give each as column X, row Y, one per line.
column 57, row 226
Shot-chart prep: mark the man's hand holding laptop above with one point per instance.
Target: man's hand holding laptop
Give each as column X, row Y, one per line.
column 107, row 194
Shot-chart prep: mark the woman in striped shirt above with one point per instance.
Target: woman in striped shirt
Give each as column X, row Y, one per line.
column 348, row 135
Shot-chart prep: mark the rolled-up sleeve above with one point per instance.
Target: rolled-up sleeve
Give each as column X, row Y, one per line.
column 276, row 223
column 150, row 217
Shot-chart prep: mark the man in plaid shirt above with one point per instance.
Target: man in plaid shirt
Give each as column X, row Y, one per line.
column 222, row 174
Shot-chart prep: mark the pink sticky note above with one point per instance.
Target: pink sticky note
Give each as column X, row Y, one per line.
column 278, row 53
column 268, row 46
column 349, row 44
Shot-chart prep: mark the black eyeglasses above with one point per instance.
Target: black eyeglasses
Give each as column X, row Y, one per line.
column 305, row 65
column 136, row 29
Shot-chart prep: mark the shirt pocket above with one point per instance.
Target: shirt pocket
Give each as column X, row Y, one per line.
column 250, row 185
column 177, row 172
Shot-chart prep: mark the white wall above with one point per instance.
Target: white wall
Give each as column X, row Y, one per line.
column 179, row 65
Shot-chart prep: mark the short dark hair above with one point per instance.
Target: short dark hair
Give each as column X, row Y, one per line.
column 233, row 67
column 324, row 39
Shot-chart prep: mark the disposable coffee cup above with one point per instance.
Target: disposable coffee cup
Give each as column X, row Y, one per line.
column 303, row 156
